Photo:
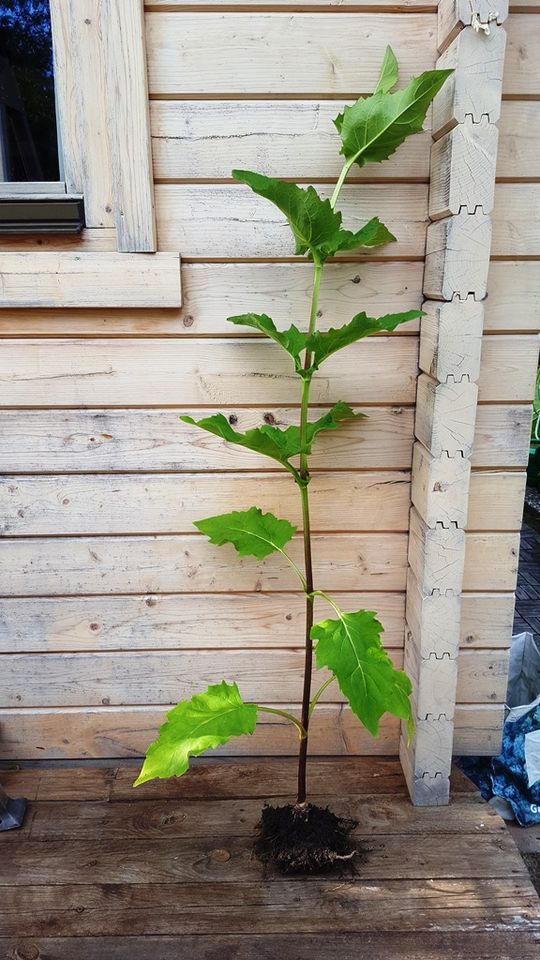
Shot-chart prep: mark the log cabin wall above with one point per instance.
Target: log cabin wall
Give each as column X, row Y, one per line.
column 113, row 607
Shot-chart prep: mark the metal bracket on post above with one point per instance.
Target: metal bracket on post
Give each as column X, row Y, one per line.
column 11, row 812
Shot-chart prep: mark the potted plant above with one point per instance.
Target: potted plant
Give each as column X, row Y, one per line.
column 302, row 836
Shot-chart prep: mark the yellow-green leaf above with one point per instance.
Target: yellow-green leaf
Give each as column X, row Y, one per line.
column 251, row 532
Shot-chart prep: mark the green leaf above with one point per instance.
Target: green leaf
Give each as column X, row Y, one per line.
column 389, row 72
column 322, row 345
column 292, row 340
column 274, row 442
column 316, row 226
column 374, row 127
column 372, row 234
column 193, row 726
column 351, row 648
column 339, row 413
column 270, row 441
column 251, row 532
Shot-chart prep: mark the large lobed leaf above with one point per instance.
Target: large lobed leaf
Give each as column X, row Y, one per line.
column 351, row 648
column 280, row 445
column 316, row 226
column 292, row 340
column 322, row 345
column 193, row 726
column 374, row 127
column 251, row 532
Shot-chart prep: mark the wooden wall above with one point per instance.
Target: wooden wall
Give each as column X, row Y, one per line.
column 113, row 607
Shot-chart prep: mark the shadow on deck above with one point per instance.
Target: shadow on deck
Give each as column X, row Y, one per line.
column 102, row 872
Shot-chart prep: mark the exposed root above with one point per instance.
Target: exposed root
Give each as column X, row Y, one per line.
column 304, row 838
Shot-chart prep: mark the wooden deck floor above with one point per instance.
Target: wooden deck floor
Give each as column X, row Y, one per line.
column 102, row 872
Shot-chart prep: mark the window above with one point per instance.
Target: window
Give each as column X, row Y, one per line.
column 28, row 135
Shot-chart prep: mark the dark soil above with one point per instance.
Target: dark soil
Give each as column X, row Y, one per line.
column 304, row 839
column 532, row 862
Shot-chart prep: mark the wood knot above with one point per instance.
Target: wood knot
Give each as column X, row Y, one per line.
column 269, row 418
column 188, row 320
column 220, row 855
column 233, row 419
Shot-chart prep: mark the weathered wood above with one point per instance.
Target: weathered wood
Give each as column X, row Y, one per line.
column 334, row 6
column 142, row 440
column 211, row 292
column 426, row 763
column 283, row 290
column 516, row 232
column 165, row 564
column 60, row 373
column 289, row 946
column 453, row 15
column 71, row 732
column 158, row 371
column 176, row 621
column 446, row 416
column 469, row 147
column 228, row 221
column 281, row 52
column 164, row 677
column 463, row 905
column 90, row 280
column 171, row 504
column 194, row 861
column 521, row 68
column 440, row 488
column 457, row 257
column 91, row 239
column 346, row 502
column 81, row 104
column 129, row 124
column 451, row 339
column 475, row 87
column 33, row 441
column 136, row 819
column 519, row 140
column 194, row 139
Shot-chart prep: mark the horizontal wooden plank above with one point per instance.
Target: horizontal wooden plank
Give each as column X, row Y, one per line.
column 334, row 6
column 521, row 66
column 171, row 504
column 136, row 819
column 164, row 677
column 226, row 778
column 165, row 564
column 73, row 373
column 187, row 563
column 92, row 732
column 224, row 221
column 486, row 619
column 281, row 53
column 140, row 440
column 175, row 622
column 198, row 139
column 81, row 909
column 91, row 240
column 211, row 292
column 513, row 301
column 496, row 501
column 152, row 371
column 186, row 861
column 345, row 502
column 289, row 946
column 90, row 280
column 519, row 140
column 516, row 219
column 48, row 625
column 502, row 435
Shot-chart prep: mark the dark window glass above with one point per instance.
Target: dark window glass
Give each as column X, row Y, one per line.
column 28, row 141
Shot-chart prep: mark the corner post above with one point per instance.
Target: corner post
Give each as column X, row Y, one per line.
column 463, row 160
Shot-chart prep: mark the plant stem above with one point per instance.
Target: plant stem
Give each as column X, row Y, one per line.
column 288, row 716
column 317, row 696
column 306, row 526
column 303, row 486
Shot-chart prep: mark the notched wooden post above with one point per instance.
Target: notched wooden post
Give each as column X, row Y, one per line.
column 455, row 284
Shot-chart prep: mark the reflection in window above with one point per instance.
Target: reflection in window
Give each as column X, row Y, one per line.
column 28, row 139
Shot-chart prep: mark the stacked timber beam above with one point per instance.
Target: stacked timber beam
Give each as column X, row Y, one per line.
column 463, row 161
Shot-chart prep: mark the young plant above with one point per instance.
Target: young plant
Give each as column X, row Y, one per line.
column 348, row 646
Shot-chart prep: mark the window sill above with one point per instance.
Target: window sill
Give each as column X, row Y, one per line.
column 24, row 212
